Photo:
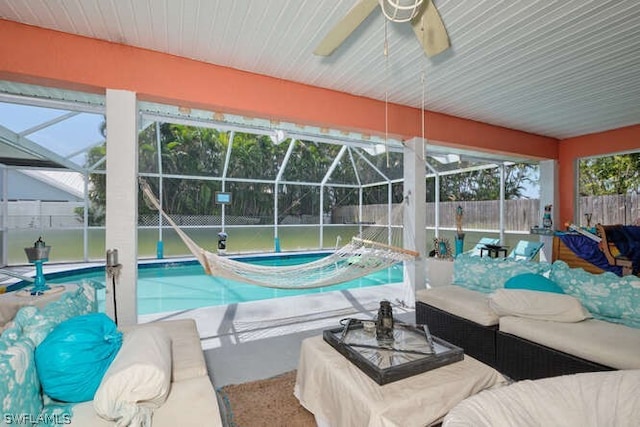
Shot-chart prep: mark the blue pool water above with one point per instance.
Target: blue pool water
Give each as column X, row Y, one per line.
column 172, row 286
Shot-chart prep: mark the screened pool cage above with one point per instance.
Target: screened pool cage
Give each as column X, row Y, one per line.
column 268, row 186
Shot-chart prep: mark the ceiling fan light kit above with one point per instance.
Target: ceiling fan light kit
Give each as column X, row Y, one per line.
column 400, row 10
column 421, row 14
column 278, row 136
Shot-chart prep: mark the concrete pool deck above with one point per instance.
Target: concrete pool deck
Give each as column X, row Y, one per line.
column 259, row 339
column 248, row 321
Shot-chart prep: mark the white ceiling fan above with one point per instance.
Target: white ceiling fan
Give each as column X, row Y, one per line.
column 422, row 14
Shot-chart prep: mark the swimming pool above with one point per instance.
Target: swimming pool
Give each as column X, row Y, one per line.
column 173, row 286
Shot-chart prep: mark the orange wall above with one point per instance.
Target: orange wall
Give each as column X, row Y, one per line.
column 572, row 149
column 35, row 55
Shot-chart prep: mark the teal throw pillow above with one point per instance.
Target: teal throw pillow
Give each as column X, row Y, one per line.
column 73, row 358
column 533, row 282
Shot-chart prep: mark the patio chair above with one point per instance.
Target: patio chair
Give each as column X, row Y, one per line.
column 525, row 250
column 475, row 251
column 620, row 244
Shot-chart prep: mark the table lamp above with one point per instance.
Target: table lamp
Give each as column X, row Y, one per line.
column 38, row 255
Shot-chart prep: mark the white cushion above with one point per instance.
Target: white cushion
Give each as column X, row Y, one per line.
column 188, row 358
column 537, row 305
column 191, row 402
column 606, row 343
column 138, row 380
column 463, row 302
column 588, row 399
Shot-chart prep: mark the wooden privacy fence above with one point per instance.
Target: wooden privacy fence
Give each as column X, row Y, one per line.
column 614, row 209
column 520, row 214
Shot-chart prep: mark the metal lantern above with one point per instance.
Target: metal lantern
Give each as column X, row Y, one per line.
column 222, row 242
column 384, row 323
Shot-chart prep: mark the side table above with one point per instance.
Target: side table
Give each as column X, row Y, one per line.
column 11, row 302
column 339, row 394
column 494, row 252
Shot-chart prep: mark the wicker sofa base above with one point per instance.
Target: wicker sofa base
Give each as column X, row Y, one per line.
column 515, row 357
column 520, row 359
column 476, row 340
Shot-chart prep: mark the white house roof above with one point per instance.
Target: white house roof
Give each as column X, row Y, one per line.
column 68, row 182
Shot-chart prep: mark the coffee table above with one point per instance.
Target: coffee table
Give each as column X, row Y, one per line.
column 412, row 351
column 338, row 393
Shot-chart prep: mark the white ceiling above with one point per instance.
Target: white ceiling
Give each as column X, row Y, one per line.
column 558, row 68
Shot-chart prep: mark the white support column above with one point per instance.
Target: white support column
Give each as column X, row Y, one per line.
column 4, row 189
column 85, row 218
column 414, row 232
column 321, row 213
column 503, row 180
column 122, row 202
column 549, row 196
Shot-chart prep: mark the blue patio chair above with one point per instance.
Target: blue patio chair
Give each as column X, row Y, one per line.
column 525, row 250
column 475, row 251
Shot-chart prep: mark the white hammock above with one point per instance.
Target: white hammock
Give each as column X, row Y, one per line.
column 361, row 257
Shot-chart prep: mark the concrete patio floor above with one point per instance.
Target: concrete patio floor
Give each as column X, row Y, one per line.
column 255, row 340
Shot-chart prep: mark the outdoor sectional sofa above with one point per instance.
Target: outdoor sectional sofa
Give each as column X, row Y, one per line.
column 551, row 320
column 586, row 399
column 158, row 373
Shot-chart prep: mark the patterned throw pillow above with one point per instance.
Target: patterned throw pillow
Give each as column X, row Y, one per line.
column 607, row 296
column 19, row 387
column 486, row 274
column 36, row 323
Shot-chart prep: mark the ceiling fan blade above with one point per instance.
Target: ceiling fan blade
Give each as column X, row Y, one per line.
column 345, row 27
column 430, row 30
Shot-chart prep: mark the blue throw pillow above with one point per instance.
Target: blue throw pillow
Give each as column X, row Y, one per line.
column 73, row 358
column 533, row 282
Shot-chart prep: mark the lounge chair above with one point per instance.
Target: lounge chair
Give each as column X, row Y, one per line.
column 525, row 250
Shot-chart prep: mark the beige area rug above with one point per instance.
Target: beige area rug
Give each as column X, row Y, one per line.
column 268, row 402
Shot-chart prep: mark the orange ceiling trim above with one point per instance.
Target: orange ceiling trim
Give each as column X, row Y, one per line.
column 457, row 132
column 595, row 144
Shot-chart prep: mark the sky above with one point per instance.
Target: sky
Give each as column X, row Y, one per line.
column 74, row 135
column 64, row 138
